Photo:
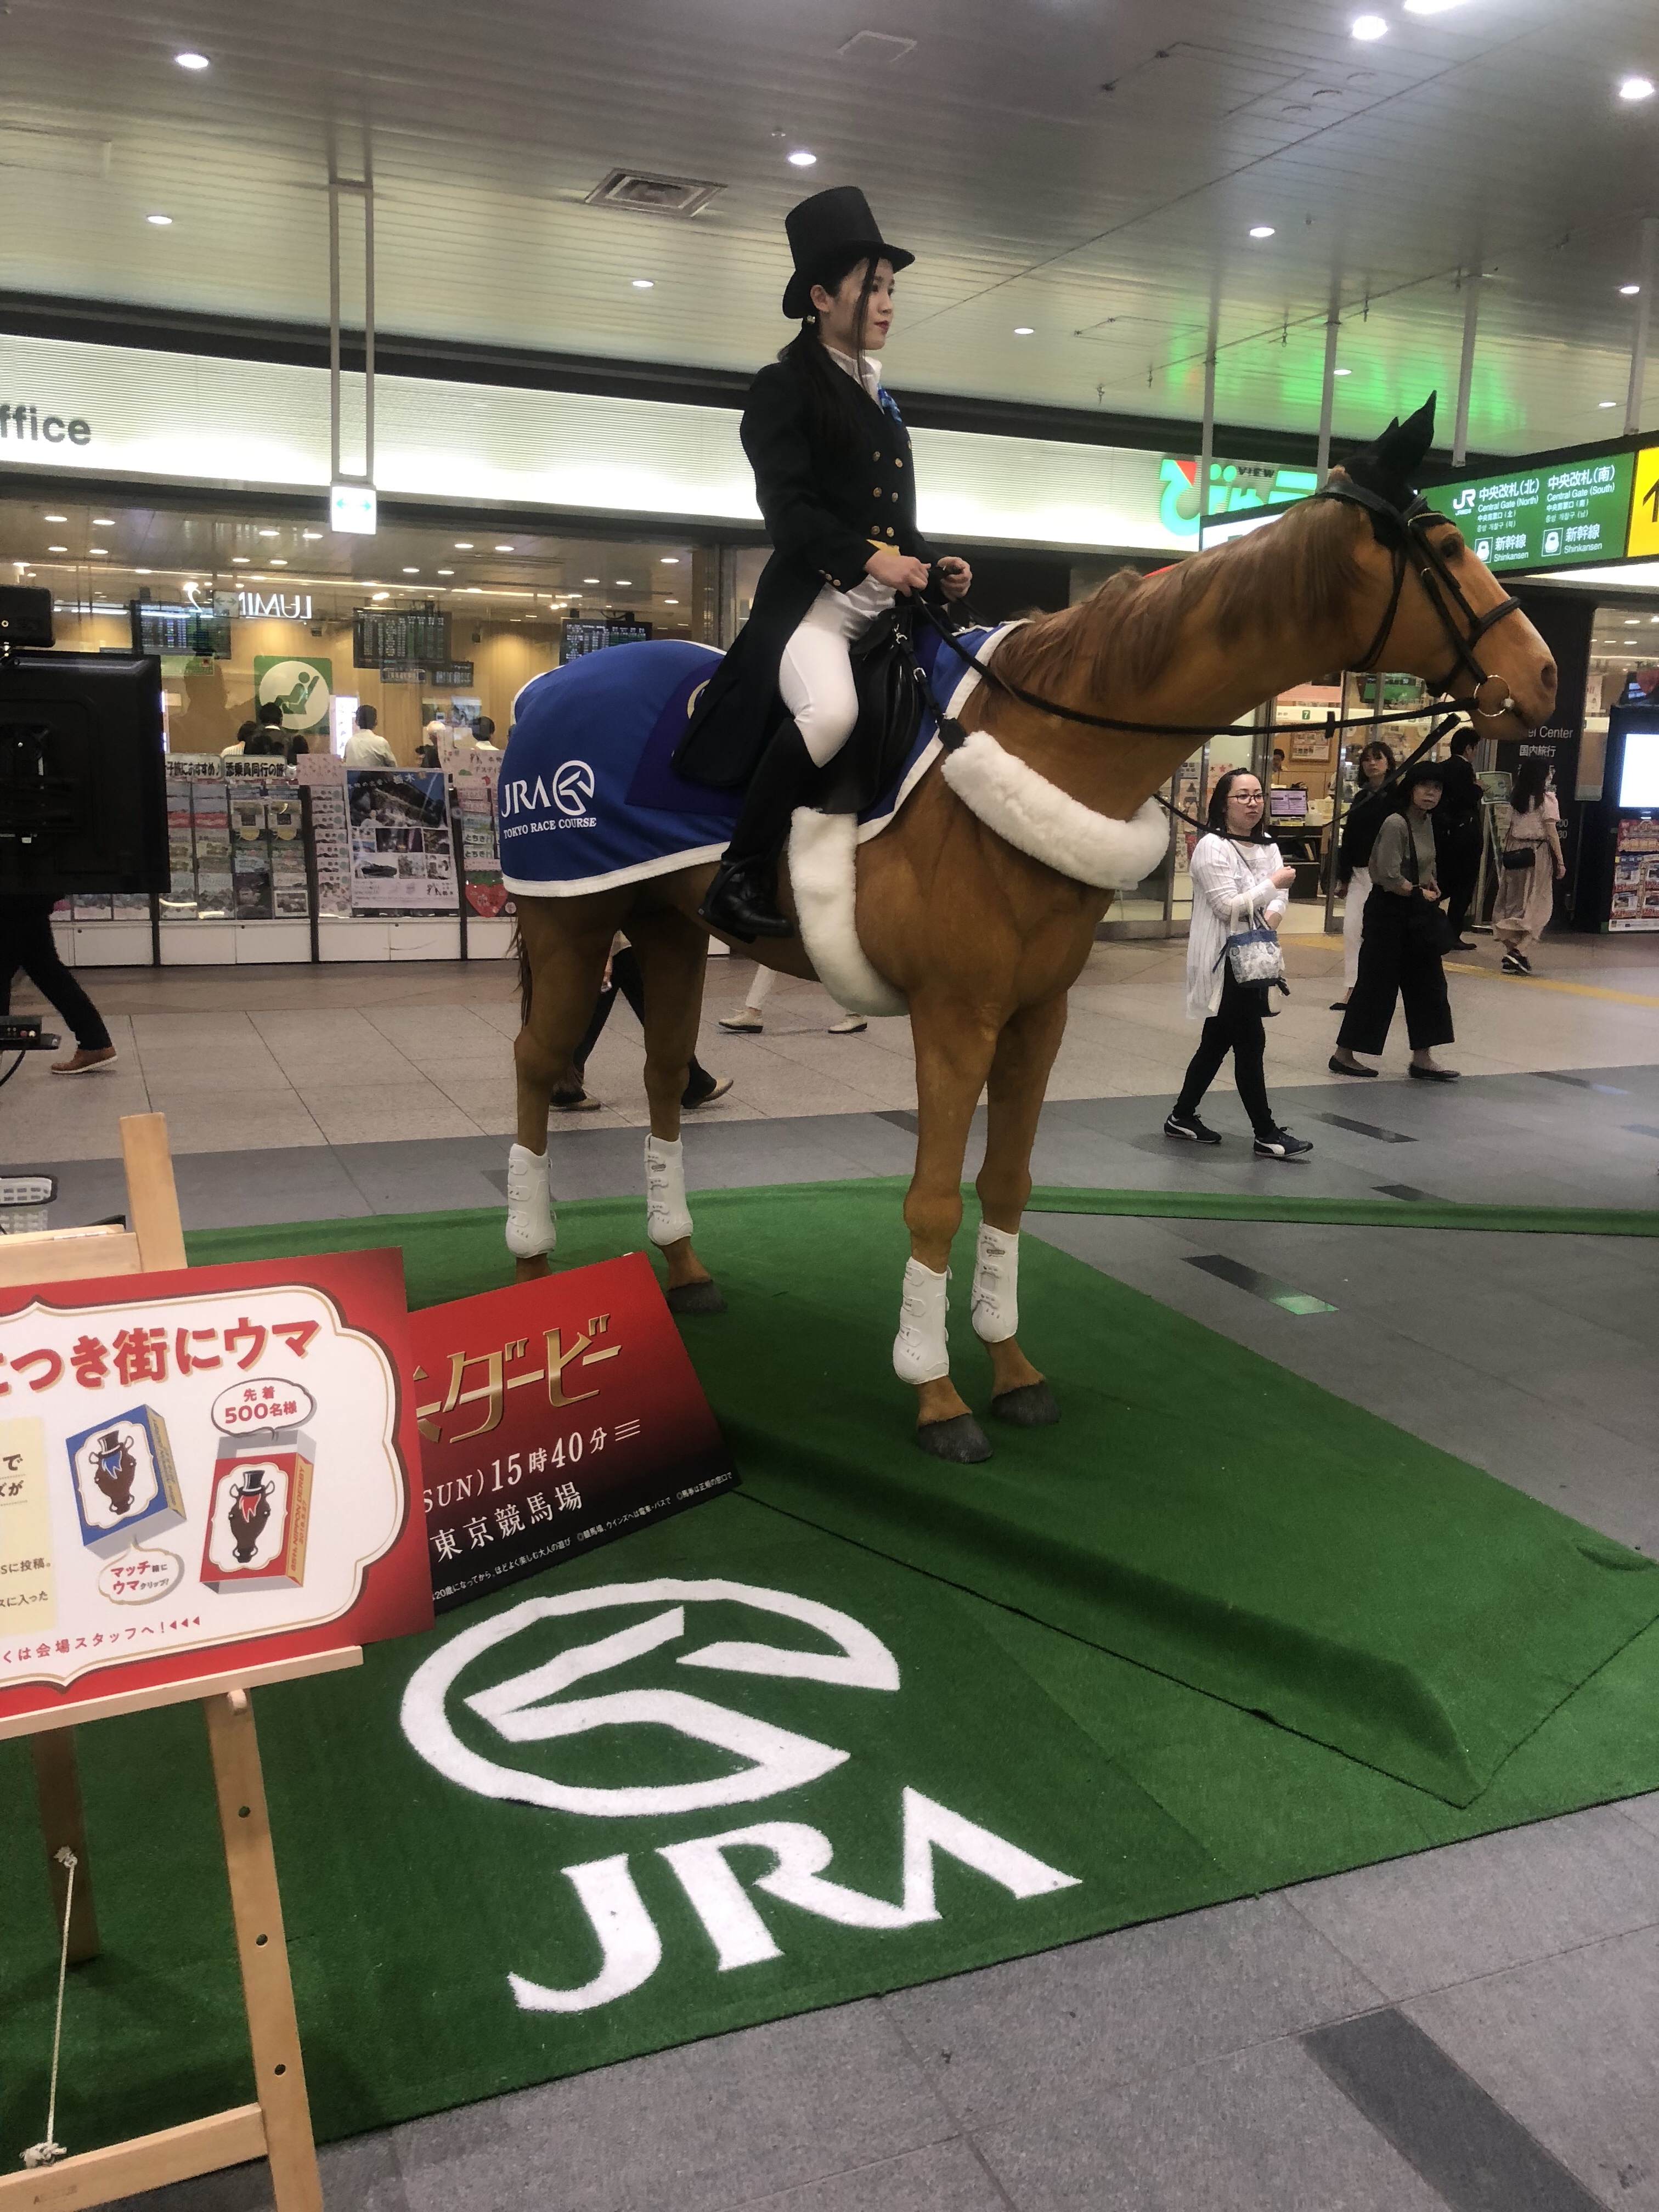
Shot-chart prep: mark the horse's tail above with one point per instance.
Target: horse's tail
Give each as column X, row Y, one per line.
column 521, row 953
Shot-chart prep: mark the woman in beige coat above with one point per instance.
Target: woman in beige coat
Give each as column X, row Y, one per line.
column 1532, row 866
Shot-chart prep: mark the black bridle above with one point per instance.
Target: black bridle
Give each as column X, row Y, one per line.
column 1406, row 533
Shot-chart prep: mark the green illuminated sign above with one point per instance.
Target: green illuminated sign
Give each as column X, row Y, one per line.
column 1543, row 518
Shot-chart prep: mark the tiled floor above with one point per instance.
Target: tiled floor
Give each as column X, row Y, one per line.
column 1476, row 2027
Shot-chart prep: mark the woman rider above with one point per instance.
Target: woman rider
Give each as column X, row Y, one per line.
column 835, row 483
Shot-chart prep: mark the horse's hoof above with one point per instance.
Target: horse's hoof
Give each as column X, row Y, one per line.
column 961, row 1440
column 1031, row 1407
column 695, row 1299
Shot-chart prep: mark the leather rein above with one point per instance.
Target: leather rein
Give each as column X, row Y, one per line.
column 1411, row 546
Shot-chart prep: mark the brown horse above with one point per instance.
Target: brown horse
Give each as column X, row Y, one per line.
column 983, row 938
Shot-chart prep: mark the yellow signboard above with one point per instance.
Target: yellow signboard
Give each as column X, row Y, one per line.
column 1644, row 504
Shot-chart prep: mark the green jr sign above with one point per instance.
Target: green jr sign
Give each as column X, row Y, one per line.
column 1544, row 518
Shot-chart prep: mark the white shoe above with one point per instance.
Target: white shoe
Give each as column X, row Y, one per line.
column 848, row 1025
column 746, row 1020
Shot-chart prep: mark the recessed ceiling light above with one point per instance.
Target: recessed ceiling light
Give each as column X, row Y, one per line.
column 463, row 544
column 276, row 564
column 1341, row 371
column 191, row 61
column 1606, row 403
column 416, row 572
column 311, row 533
column 1369, row 26
column 1261, row 230
column 143, row 572
column 103, row 522
column 1631, row 620
column 270, row 533
column 476, row 589
column 101, row 550
column 383, row 595
column 161, row 222
column 1023, row 331
column 590, row 579
column 58, row 549
column 625, row 582
column 54, row 518
column 239, row 560
column 1629, row 291
column 645, row 284
column 800, row 159
column 669, row 560
column 1636, row 88
column 671, row 603
column 446, row 572
column 503, row 548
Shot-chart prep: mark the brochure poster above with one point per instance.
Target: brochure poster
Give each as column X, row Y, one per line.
column 203, row 1468
column 403, row 859
column 554, row 1416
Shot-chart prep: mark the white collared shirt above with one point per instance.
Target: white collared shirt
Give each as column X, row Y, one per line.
column 1231, row 890
column 872, row 378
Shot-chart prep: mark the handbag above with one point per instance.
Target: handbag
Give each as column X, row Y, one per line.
column 1255, row 956
column 1520, row 856
column 1429, row 925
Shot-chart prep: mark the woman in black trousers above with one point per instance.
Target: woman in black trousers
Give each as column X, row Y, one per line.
column 26, row 942
column 1400, row 952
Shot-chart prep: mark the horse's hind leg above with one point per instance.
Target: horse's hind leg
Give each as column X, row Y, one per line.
column 562, row 947
column 1019, row 1077
column 673, row 956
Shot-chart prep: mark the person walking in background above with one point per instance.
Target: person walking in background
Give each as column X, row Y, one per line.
column 26, row 942
column 749, row 1019
column 622, row 980
column 1239, row 883
column 1371, row 806
column 1400, row 950
column 483, row 735
column 366, row 747
column 1457, row 835
column 1532, row 864
column 235, row 751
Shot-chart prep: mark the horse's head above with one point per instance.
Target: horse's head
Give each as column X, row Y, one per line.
column 1435, row 611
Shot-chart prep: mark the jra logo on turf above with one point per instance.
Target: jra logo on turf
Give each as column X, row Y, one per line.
column 530, row 1708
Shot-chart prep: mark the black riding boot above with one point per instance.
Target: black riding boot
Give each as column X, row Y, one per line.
column 742, row 901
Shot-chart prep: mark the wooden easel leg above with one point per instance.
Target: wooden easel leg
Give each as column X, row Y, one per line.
column 57, row 1792
column 256, row 1907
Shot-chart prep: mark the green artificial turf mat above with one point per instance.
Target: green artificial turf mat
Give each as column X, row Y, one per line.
column 1198, row 1510
column 410, row 1899
column 1357, row 1212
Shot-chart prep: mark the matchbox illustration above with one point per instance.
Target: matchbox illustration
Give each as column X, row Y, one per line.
column 126, row 1486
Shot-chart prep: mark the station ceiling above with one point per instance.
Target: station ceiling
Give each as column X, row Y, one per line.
column 1088, row 169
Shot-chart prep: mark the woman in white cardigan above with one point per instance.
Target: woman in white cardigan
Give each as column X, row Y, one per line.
column 1239, row 883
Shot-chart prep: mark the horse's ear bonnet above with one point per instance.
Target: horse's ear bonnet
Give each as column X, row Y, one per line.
column 1390, row 468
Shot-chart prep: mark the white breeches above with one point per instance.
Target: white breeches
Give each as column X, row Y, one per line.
column 815, row 677
column 1353, row 908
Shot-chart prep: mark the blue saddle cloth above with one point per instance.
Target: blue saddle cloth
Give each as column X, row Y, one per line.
column 588, row 796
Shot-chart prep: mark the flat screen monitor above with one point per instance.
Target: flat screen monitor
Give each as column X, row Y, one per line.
column 82, row 787
column 1288, row 805
column 1638, row 776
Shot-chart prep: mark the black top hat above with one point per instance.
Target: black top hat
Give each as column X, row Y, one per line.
column 832, row 226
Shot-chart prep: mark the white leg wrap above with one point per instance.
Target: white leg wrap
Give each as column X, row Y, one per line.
column 996, row 1284
column 667, row 1216
column 921, row 1352
column 530, row 1227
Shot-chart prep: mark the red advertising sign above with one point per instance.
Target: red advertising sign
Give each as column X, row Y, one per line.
column 207, row 1458
column 552, row 1416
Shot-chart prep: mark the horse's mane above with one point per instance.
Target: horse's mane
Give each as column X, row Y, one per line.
column 1125, row 632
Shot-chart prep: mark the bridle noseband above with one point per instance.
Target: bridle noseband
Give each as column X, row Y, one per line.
column 1410, row 545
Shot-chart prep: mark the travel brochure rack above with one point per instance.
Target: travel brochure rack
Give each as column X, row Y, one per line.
column 274, row 865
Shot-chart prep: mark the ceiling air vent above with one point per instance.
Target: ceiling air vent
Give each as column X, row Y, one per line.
column 877, row 46
column 649, row 195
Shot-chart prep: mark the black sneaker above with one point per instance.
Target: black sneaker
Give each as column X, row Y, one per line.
column 1516, row 963
column 1281, row 1145
column 1190, row 1126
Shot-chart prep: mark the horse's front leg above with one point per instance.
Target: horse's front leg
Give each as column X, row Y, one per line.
column 954, row 1043
column 673, row 956
column 1019, row 1078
